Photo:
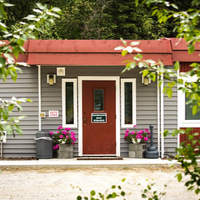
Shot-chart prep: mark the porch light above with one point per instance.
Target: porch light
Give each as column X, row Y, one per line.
column 146, row 80
column 51, row 79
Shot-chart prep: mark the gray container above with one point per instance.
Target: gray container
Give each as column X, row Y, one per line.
column 44, row 146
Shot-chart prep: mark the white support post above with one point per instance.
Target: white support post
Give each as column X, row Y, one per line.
column 162, row 118
column 158, row 114
column 39, row 97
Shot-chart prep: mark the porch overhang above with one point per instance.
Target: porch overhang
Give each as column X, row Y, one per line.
column 91, row 52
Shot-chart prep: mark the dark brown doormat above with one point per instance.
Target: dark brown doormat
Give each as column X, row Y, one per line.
column 99, row 158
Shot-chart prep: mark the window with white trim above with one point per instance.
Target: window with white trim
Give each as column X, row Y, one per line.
column 186, row 118
column 69, row 103
column 128, row 103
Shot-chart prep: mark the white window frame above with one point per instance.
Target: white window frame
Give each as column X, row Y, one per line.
column 64, row 103
column 182, row 122
column 123, row 81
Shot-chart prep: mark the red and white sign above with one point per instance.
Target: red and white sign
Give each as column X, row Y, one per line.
column 53, row 113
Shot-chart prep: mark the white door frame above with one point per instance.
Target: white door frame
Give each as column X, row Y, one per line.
column 80, row 114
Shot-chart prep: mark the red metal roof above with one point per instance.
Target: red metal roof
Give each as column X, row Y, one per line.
column 180, row 51
column 101, row 52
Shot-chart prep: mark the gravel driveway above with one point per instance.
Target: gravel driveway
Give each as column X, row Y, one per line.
column 64, row 184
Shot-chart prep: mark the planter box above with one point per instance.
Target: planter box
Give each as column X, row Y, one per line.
column 65, row 151
column 137, row 150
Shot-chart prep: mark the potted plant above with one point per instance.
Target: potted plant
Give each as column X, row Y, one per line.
column 137, row 141
column 64, row 139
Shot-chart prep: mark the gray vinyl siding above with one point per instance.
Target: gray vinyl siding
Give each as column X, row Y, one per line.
column 26, row 86
column 51, row 99
column 170, row 122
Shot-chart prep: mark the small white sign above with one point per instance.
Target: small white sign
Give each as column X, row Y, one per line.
column 53, row 113
column 60, row 71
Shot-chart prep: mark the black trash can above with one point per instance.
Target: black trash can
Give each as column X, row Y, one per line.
column 44, row 147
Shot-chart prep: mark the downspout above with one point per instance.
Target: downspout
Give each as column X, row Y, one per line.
column 39, row 97
column 158, row 114
column 162, row 117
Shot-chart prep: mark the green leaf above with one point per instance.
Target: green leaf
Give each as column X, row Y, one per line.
column 40, row 6
column 144, row 196
column 79, row 198
column 2, row 61
column 135, row 43
column 113, row 187
column 179, row 177
column 136, row 3
column 92, row 193
column 123, row 193
column 18, row 129
column 197, row 191
column 55, row 9
column 176, row 65
column 5, row 114
column 191, row 48
column 114, row 195
column 169, row 92
column 124, row 52
column 10, row 107
column 171, row 84
column 194, row 109
column 145, row 72
column 16, row 52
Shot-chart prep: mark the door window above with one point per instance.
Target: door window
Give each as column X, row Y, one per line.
column 98, row 99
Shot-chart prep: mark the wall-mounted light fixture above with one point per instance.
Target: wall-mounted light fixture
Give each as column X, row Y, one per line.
column 60, row 71
column 51, row 79
column 146, row 80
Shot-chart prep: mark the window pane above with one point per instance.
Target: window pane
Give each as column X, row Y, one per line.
column 128, row 103
column 98, row 99
column 69, row 103
column 188, row 112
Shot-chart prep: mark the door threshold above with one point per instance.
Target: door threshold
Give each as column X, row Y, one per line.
column 100, row 158
column 99, row 155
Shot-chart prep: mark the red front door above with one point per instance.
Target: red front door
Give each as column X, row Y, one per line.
column 99, row 121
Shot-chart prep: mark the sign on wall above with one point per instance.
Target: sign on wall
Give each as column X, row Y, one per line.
column 53, row 113
column 99, row 117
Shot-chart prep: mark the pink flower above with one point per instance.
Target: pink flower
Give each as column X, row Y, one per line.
column 67, row 129
column 138, row 136
column 51, row 133
column 56, row 147
column 145, row 139
column 64, row 132
column 60, row 127
column 61, row 136
column 127, row 131
column 126, row 135
column 67, row 137
column 73, row 134
column 57, row 131
column 133, row 132
column 146, row 130
column 140, row 132
column 134, row 126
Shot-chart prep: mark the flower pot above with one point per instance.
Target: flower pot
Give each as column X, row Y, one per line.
column 137, row 150
column 65, row 151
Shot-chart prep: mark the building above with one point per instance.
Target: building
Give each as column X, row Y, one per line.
column 79, row 84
